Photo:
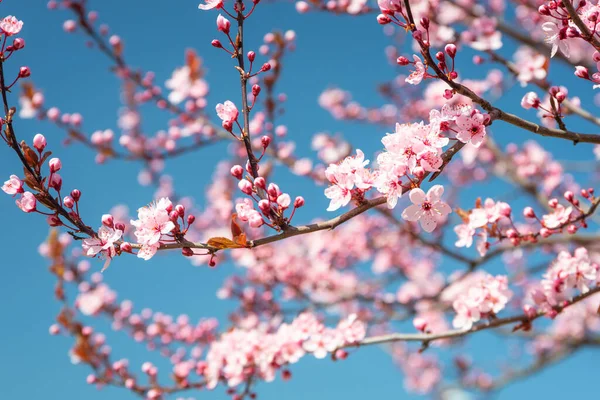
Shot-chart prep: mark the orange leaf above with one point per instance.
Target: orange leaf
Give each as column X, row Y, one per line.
column 223, row 243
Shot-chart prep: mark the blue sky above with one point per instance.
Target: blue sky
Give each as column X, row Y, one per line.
column 331, row 51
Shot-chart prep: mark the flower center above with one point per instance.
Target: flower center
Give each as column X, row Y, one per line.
column 426, row 206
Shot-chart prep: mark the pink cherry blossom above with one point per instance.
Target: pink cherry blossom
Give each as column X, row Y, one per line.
column 484, row 298
column 27, row 202
column 557, row 37
column 418, row 74
column 558, row 217
column 471, row 127
column 210, row 4
column 103, row 244
column 428, row 208
column 13, row 186
column 11, row 26
column 153, row 222
column 227, row 111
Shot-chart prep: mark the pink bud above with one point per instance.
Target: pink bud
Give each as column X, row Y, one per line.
column 245, row 186
column 251, row 56
column 545, row 232
column 585, row 193
column 108, row 220
column 512, row 234
column 227, row 125
column 419, row 172
column 453, row 75
column 223, row 24
column 528, row 212
column 69, row 26
column 266, row 141
column 284, row 200
column 582, row 72
column 126, row 247
column 544, row 10
column 572, row 229
column 237, row 171
column 273, row 191
column 260, row 182
column 420, row 324
column 560, row 96
column 569, row 196
column 53, row 220
column 552, row 203
column 24, row 72
column 173, row 216
column 266, row 67
column 440, row 56
column 187, row 252
column 55, row 165
column 191, row 219
column 129, row 383
column 286, row 375
column 448, row 94
column 68, row 202
column 341, row 354
column 217, row 44
column 18, row 43
column 450, row 49
column 56, row 182
column 255, row 90
column 180, row 209
column 402, row 61
column 76, row 194
column 299, row 202
column 383, row 19
column 39, row 142
column 255, row 220
column 54, row 329
column 265, row 206
column 91, row 379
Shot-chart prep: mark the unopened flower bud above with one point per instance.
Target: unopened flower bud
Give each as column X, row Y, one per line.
column 383, row 19
column 255, row 90
column 68, row 202
column 217, row 44
column 299, row 202
column 24, row 72
column 180, row 210
column 55, row 165
column 39, row 142
column 245, row 186
column 190, row 219
column 237, row 171
column 402, row 61
column 126, row 247
column 450, row 49
column 187, row 252
column 260, row 182
column 266, row 67
column 528, row 212
column 266, row 141
column 18, row 43
column 251, row 56
column 76, row 194
column 108, row 220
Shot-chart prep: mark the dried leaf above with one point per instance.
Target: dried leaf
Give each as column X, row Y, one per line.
column 223, row 243
column 30, row 156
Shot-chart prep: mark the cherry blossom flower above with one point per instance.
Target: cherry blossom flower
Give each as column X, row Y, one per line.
column 13, row 186
column 465, row 235
column 471, row 127
column 530, row 100
column 153, row 222
column 558, row 217
column 103, row 244
column 418, row 74
column 210, row 4
column 556, row 37
column 27, row 202
column 227, row 111
column 484, row 298
column 530, row 65
column 428, row 208
column 11, row 26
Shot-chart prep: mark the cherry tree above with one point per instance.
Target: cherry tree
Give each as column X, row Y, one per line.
column 372, row 268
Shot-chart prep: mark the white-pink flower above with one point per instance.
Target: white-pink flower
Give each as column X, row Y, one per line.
column 227, row 111
column 210, row 4
column 558, row 217
column 428, row 208
column 471, row 127
column 11, row 26
column 27, row 203
column 13, row 185
column 153, row 222
column 418, row 74
column 104, row 244
column 556, row 37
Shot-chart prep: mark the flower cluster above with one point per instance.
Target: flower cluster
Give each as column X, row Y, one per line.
column 413, row 149
column 476, row 223
column 567, row 275
column 241, row 354
column 103, row 244
column 484, row 299
column 153, row 222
